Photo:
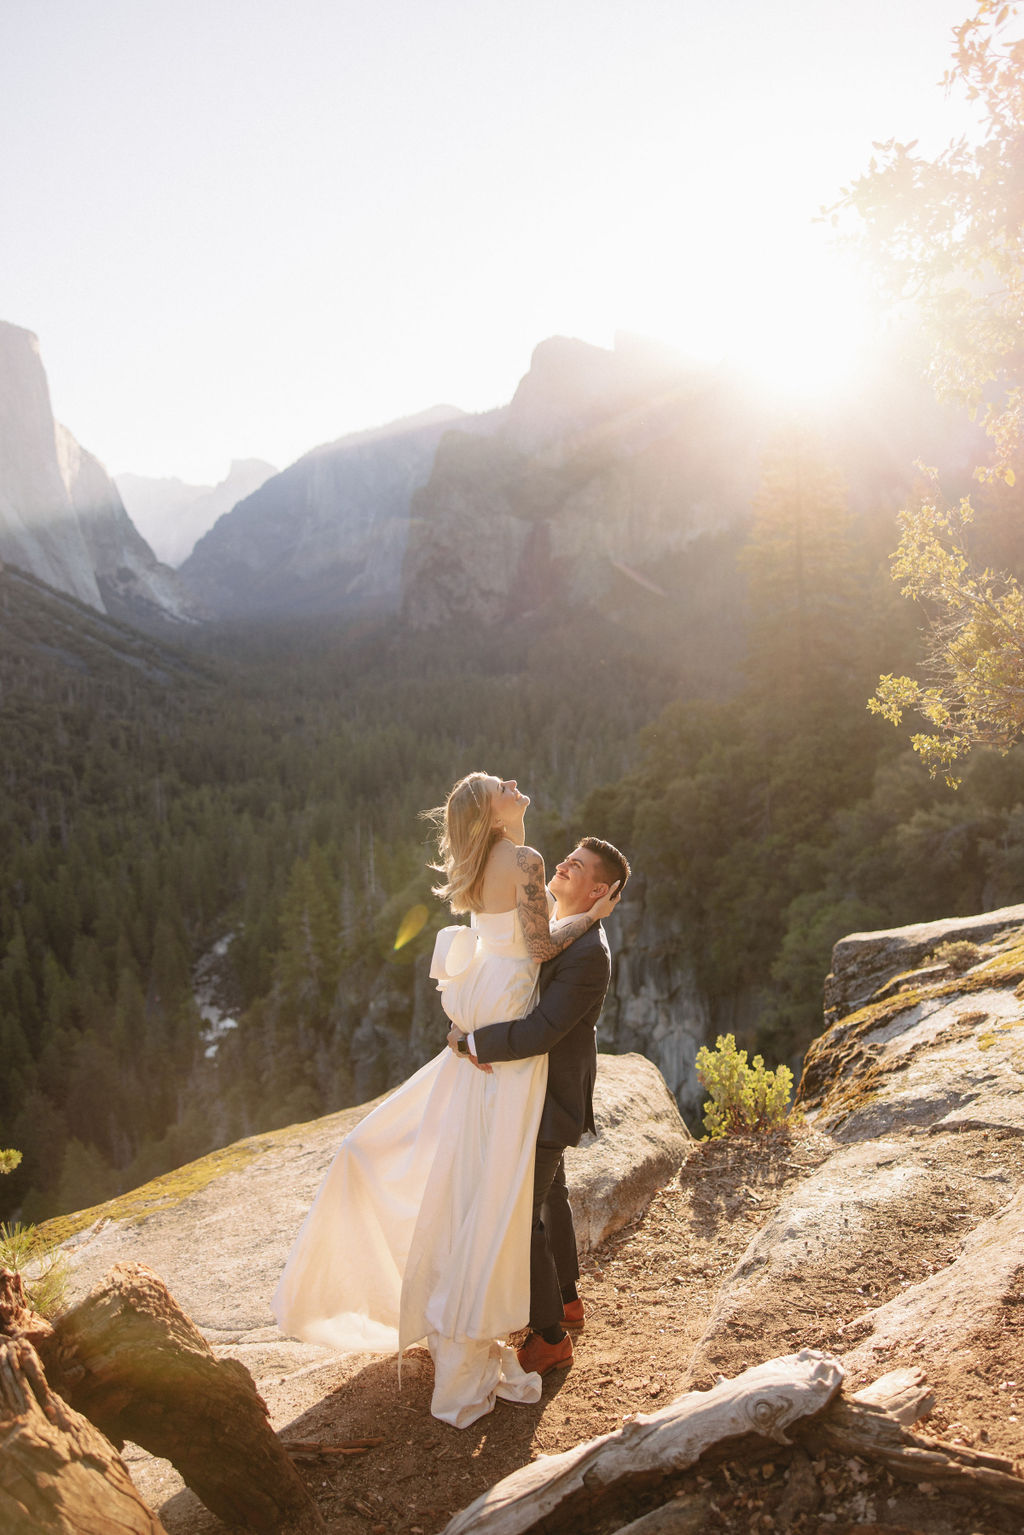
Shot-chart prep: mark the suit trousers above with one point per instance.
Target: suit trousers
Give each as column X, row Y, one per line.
column 554, row 1262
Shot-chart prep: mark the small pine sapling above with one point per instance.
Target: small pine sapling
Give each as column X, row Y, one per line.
column 43, row 1268
column 743, row 1099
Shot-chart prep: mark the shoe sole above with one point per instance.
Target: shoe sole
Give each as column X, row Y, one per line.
column 557, row 1364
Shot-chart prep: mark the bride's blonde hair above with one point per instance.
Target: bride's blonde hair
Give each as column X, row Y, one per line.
column 466, row 834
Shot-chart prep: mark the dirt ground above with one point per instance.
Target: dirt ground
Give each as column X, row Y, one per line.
column 649, row 1292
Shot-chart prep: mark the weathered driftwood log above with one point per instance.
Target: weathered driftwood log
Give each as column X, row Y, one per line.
column 904, row 1393
column 760, row 1404
column 58, row 1474
column 131, row 1360
column 683, row 1516
column 865, row 1429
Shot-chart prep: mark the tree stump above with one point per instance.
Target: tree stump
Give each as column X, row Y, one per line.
column 17, row 1319
column 58, row 1474
column 131, row 1360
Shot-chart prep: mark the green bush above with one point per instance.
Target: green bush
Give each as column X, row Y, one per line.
column 744, row 1099
column 44, row 1269
column 959, row 954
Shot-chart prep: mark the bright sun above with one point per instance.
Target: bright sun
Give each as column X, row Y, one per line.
column 808, row 344
column 798, row 328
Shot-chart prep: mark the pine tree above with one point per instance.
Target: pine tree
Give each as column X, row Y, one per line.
column 804, row 575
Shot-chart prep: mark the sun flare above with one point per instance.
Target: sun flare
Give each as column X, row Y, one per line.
column 797, row 329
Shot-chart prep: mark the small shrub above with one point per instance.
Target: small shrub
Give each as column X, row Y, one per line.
column 43, row 1268
column 959, row 955
column 743, row 1098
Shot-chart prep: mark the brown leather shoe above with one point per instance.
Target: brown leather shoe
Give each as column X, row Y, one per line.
column 573, row 1314
column 537, row 1355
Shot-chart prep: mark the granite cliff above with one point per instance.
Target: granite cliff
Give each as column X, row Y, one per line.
column 61, row 517
column 327, row 534
column 607, row 470
column 171, row 515
column 616, row 481
column 622, row 480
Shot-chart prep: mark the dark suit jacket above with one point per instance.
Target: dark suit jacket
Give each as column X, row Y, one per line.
column 563, row 1026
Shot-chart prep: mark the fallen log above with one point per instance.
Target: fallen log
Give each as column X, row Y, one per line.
column 905, row 1393
column 760, row 1405
column 683, row 1516
column 866, row 1429
column 58, row 1474
column 131, row 1361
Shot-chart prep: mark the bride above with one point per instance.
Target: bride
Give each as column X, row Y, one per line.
column 421, row 1227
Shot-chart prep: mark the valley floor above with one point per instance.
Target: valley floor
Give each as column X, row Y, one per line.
column 649, row 1293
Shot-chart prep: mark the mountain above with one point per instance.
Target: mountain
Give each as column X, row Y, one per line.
column 604, row 474
column 618, row 481
column 61, row 517
column 172, row 515
column 328, row 533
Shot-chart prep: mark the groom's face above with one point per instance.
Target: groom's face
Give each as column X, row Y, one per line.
column 577, row 881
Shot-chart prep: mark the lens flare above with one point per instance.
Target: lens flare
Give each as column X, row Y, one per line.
column 412, row 923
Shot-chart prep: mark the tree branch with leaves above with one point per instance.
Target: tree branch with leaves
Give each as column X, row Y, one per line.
column 945, row 238
column 975, row 659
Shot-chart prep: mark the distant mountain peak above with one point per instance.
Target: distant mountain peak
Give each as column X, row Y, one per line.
column 173, row 516
column 61, row 516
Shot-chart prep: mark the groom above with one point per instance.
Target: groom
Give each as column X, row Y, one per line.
column 563, row 1027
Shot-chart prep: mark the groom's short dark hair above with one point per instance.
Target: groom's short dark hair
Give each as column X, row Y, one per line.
column 613, row 865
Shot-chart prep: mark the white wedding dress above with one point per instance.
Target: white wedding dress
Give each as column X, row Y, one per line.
column 421, row 1227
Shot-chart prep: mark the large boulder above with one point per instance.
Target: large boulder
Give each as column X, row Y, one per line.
column 640, row 1142
column 904, row 1245
column 864, row 963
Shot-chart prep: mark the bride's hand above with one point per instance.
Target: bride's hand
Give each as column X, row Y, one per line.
column 454, row 1035
column 607, row 904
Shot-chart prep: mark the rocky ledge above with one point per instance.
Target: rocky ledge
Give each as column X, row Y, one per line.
column 883, row 1230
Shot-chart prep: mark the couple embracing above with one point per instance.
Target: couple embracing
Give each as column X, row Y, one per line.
column 445, row 1215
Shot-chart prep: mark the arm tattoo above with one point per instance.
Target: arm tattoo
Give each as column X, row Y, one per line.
column 531, row 903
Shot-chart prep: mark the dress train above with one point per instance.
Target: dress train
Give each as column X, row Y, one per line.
column 421, row 1227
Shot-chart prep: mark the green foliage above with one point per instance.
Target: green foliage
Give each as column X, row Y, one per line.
column 959, row 955
column 744, row 1099
column 974, row 695
column 805, row 574
column 262, row 787
column 43, row 1268
column 945, row 239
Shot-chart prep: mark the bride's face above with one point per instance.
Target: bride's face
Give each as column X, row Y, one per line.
column 508, row 805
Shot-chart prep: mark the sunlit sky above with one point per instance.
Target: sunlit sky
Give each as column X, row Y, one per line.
column 241, row 228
